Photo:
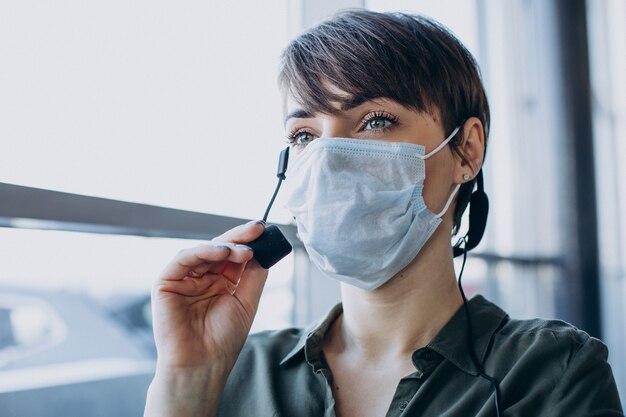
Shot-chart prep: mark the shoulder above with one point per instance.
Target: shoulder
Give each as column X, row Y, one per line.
column 513, row 342
column 542, row 330
column 553, row 339
column 542, row 348
column 562, row 369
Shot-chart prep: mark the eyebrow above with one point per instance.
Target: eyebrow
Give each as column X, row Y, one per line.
column 352, row 102
column 298, row 114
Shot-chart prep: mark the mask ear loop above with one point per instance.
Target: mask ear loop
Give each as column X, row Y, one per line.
column 434, row 151
column 442, row 144
column 470, row 334
column 445, row 208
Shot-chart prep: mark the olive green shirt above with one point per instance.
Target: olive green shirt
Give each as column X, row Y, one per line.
column 544, row 367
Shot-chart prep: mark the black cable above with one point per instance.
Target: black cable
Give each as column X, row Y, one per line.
column 282, row 170
column 470, row 334
column 269, row 206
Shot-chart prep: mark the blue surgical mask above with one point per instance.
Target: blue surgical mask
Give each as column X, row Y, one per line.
column 358, row 206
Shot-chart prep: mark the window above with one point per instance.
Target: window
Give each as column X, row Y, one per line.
column 166, row 104
column 607, row 46
column 172, row 105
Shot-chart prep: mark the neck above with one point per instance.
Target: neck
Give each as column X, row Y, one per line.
column 405, row 313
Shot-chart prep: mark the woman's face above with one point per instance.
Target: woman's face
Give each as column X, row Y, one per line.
column 386, row 120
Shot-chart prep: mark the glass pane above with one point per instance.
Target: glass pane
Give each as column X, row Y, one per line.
column 75, row 323
column 155, row 102
column 106, row 267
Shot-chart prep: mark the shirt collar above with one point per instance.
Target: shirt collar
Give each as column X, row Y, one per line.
column 313, row 335
column 450, row 342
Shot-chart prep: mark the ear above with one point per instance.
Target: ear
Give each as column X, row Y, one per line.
column 472, row 147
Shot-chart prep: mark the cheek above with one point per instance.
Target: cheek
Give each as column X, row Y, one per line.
column 437, row 186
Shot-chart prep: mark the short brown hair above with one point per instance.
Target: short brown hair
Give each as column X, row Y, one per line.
column 411, row 59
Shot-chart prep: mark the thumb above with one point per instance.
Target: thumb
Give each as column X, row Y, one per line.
column 251, row 286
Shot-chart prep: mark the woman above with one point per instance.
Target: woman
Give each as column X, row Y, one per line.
column 388, row 123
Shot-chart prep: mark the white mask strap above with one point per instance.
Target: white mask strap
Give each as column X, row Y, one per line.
column 442, row 212
column 442, row 144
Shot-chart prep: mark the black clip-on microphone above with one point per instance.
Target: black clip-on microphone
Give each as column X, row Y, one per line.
column 478, row 211
column 271, row 246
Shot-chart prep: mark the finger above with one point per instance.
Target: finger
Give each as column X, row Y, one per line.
column 251, row 286
column 239, row 255
column 217, row 268
column 201, row 269
column 205, row 286
column 228, row 270
column 244, row 233
column 187, row 259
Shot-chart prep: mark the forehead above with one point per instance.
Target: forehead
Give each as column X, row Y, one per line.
column 290, row 103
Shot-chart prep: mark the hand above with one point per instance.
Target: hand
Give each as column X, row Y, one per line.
column 204, row 302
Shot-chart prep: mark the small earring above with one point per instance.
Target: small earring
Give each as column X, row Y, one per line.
column 465, row 177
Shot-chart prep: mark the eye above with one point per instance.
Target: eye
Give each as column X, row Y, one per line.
column 301, row 138
column 379, row 121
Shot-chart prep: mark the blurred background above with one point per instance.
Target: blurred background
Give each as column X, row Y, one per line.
column 130, row 130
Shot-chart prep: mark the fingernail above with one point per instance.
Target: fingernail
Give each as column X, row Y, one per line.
column 223, row 247
column 256, row 222
column 244, row 247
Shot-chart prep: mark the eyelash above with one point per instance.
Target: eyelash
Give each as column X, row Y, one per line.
column 379, row 115
column 292, row 136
